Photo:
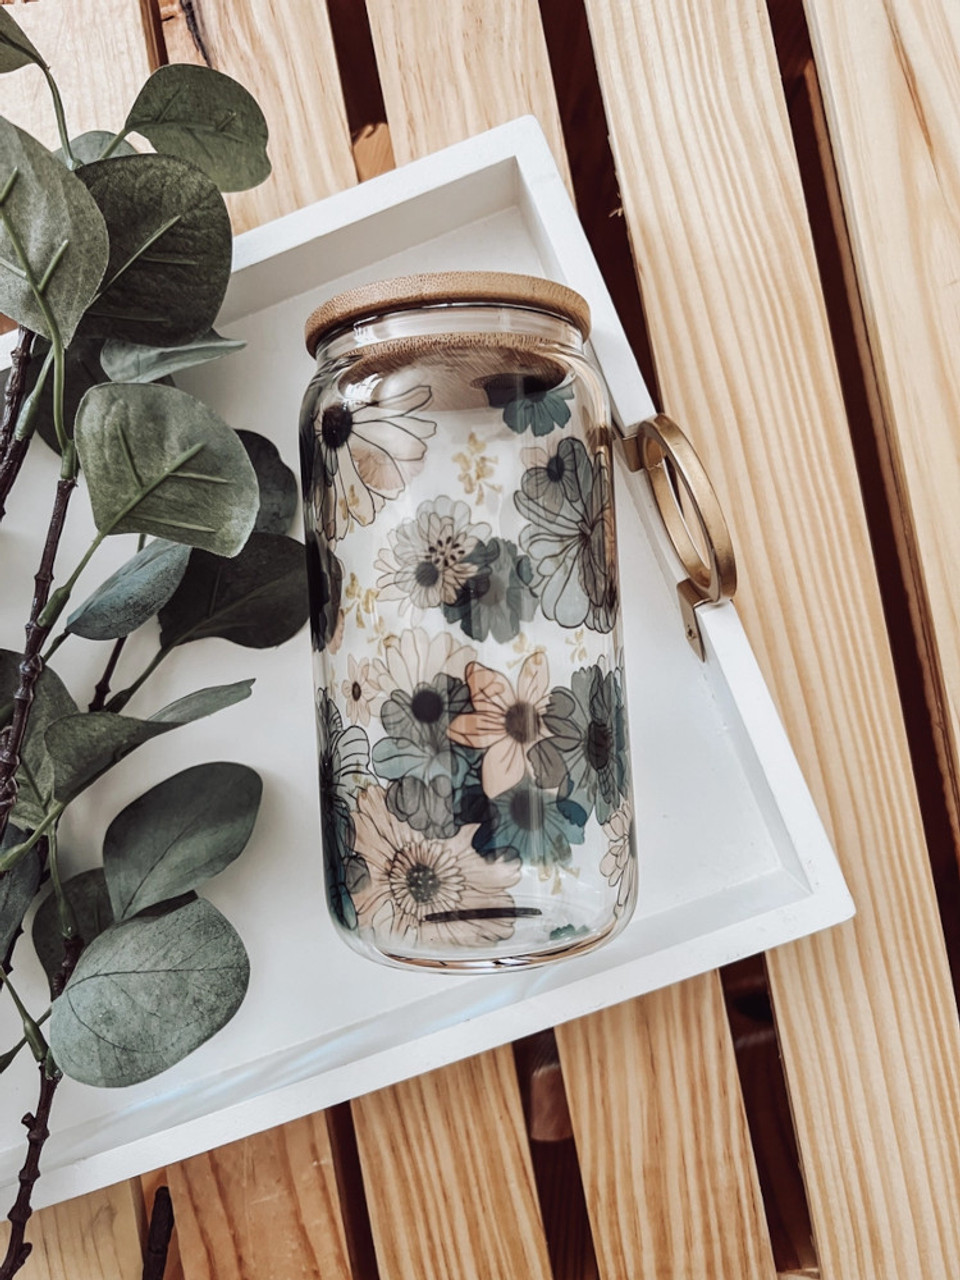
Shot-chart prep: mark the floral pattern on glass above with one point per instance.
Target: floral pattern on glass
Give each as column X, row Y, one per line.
column 531, row 824
column 325, row 587
column 619, row 863
column 361, row 455
column 496, row 597
column 419, row 889
column 428, row 559
column 571, row 538
column 585, row 756
column 423, row 767
column 360, row 690
column 415, row 657
column 504, row 722
column 344, row 758
column 530, row 402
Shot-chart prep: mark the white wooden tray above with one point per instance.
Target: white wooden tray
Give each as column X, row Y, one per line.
column 733, row 857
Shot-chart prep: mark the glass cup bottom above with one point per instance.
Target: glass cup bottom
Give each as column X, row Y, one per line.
column 543, row 932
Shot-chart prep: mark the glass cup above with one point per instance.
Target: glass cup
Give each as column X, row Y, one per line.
column 474, row 771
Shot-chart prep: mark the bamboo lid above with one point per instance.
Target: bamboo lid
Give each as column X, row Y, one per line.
column 408, row 292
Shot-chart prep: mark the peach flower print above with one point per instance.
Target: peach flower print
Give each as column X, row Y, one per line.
column 505, row 722
column 436, row 892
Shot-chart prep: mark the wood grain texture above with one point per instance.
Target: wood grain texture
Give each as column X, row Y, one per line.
column 102, row 43
column 265, row 1208
column 448, row 1175
column 451, row 71
column 896, row 147
column 866, row 1014
column 662, row 1139
column 442, row 81
column 96, row 1236
column 283, row 53
column 373, row 151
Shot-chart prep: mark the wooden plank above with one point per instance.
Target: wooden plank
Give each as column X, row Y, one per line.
column 443, row 80
column 448, row 1175
column 284, row 55
column 94, row 1236
column 447, row 78
column 671, row 1133
column 866, row 1012
column 265, row 1208
column 100, row 53
column 904, row 264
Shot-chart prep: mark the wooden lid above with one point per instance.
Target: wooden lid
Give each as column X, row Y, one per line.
column 408, row 292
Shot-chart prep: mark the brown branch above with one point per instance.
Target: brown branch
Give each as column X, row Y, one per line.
column 13, row 452
column 103, row 686
column 38, row 1131
column 10, row 467
column 31, row 664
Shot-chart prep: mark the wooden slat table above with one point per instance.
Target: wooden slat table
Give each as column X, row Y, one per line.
column 441, row 1176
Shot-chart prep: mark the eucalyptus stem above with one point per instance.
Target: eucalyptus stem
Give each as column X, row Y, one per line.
column 10, row 1056
column 58, row 600
column 120, row 700
column 67, row 450
column 102, row 687
column 10, row 857
column 24, row 425
column 72, row 161
column 68, row 921
column 112, row 145
column 54, row 645
column 31, row 1029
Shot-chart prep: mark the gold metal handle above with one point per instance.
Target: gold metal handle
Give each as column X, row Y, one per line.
column 691, row 514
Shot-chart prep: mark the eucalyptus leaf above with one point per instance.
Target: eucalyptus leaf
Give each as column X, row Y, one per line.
column 170, row 250
column 15, row 49
column 258, row 599
column 87, row 895
column 134, row 362
column 51, row 702
column 158, row 461
column 82, row 370
column 87, row 147
column 132, row 595
column 18, row 886
column 83, row 747
column 178, row 834
column 48, row 219
column 278, row 484
column 207, row 118
column 146, row 993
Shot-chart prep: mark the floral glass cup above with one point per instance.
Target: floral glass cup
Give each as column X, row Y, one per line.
column 475, row 786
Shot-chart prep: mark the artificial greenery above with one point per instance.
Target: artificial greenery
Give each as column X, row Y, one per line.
column 114, row 260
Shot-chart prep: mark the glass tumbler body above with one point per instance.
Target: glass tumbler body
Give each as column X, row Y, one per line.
column 475, row 784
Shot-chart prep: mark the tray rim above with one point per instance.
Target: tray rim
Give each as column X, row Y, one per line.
column 522, row 143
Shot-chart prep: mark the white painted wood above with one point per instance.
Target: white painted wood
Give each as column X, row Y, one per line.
column 734, row 859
